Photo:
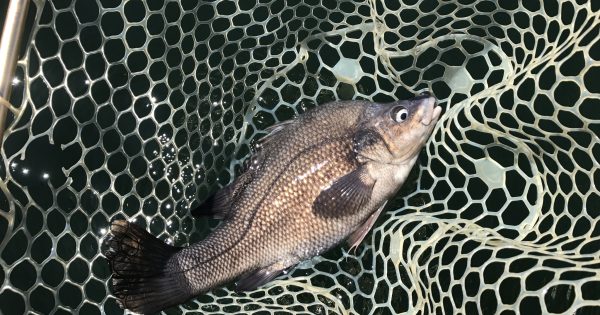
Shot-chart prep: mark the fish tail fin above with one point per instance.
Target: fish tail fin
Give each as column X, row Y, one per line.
column 138, row 261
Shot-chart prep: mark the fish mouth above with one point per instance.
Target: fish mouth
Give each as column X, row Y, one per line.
column 431, row 112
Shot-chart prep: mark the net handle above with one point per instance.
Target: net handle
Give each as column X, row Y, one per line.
column 10, row 41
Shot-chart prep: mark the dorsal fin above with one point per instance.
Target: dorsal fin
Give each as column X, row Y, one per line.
column 219, row 205
column 273, row 131
column 216, row 206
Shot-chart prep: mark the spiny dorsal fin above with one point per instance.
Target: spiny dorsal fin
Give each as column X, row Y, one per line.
column 273, row 131
column 346, row 196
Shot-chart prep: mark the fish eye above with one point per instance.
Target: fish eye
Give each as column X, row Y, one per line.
column 399, row 114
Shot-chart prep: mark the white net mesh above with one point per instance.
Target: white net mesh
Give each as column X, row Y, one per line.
column 137, row 109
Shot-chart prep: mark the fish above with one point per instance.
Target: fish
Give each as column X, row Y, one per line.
column 313, row 182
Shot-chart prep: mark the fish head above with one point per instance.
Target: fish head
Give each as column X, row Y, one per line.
column 394, row 133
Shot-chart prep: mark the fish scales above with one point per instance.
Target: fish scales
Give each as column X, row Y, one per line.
column 313, row 182
column 271, row 212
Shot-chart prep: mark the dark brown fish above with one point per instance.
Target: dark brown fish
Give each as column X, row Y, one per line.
column 317, row 180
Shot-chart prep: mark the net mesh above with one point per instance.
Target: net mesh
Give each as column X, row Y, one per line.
column 139, row 109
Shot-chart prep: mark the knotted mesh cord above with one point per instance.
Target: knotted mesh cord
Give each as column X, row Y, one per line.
column 136, row 109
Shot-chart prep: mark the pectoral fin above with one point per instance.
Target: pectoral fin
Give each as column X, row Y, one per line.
column 346, row 196
column 359, row 235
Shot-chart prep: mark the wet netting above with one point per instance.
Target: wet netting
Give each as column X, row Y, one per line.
column 140, row 109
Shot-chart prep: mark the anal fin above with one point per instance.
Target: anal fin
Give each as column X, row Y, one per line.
column 260, row 277
column 359, row 235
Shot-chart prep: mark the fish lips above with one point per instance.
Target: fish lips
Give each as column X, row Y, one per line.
column 428, row 104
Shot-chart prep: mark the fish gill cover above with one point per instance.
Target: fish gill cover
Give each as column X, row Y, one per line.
column 139, row 109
